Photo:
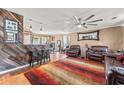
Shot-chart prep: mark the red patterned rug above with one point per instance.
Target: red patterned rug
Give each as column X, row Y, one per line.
column 68, row 71
column 39, row 77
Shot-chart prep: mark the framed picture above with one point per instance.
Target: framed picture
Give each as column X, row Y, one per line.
column 11, row 25
column 11, row 31
column 89, row 36
column 10, row 36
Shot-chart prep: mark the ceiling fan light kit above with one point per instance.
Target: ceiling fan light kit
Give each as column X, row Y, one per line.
column 79, row 26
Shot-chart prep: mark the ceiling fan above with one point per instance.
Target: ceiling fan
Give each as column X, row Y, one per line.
column 84, row 23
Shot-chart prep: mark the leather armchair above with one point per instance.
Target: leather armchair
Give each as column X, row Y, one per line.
column 74, row 51
column 117, row 76
column 97, row 53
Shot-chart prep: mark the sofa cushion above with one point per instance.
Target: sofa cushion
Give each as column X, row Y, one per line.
column 75, row 47
column 73, row 51
column 96, row 55
column 100, row 53
column 91, row 51
column 99, row 48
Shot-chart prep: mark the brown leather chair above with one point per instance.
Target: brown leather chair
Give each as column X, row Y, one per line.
column 97, row 53
column 74, row 51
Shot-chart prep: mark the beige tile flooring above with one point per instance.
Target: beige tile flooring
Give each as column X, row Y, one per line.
column 18, row 78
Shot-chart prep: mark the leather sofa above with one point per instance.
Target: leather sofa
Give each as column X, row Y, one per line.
column 97, row 53
column 114, row 69
column 74, row 51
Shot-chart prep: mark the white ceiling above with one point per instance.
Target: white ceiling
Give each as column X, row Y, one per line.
column 60, row 20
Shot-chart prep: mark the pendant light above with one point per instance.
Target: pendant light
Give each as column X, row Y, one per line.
column 30, row 26
column 41, row 27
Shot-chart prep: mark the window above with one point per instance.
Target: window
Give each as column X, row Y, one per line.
column 36, row 40
column 65, row 41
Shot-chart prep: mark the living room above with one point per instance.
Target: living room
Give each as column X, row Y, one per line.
column 61, row 49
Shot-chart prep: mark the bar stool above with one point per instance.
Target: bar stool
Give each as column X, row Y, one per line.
column 42, row 54
column 47, row 54
column 35, row 56
column 29, row 58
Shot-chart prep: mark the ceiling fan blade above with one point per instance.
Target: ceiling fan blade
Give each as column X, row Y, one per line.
column 89, row 17
column 95, row 21
column 76, row 19
column 93, row 24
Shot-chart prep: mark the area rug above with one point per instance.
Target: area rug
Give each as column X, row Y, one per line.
column 69, row 71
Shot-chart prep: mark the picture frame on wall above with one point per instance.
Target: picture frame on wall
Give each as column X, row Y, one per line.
column 11, row 25
column 10, row 36
column 88, row 35
column 11, row 28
